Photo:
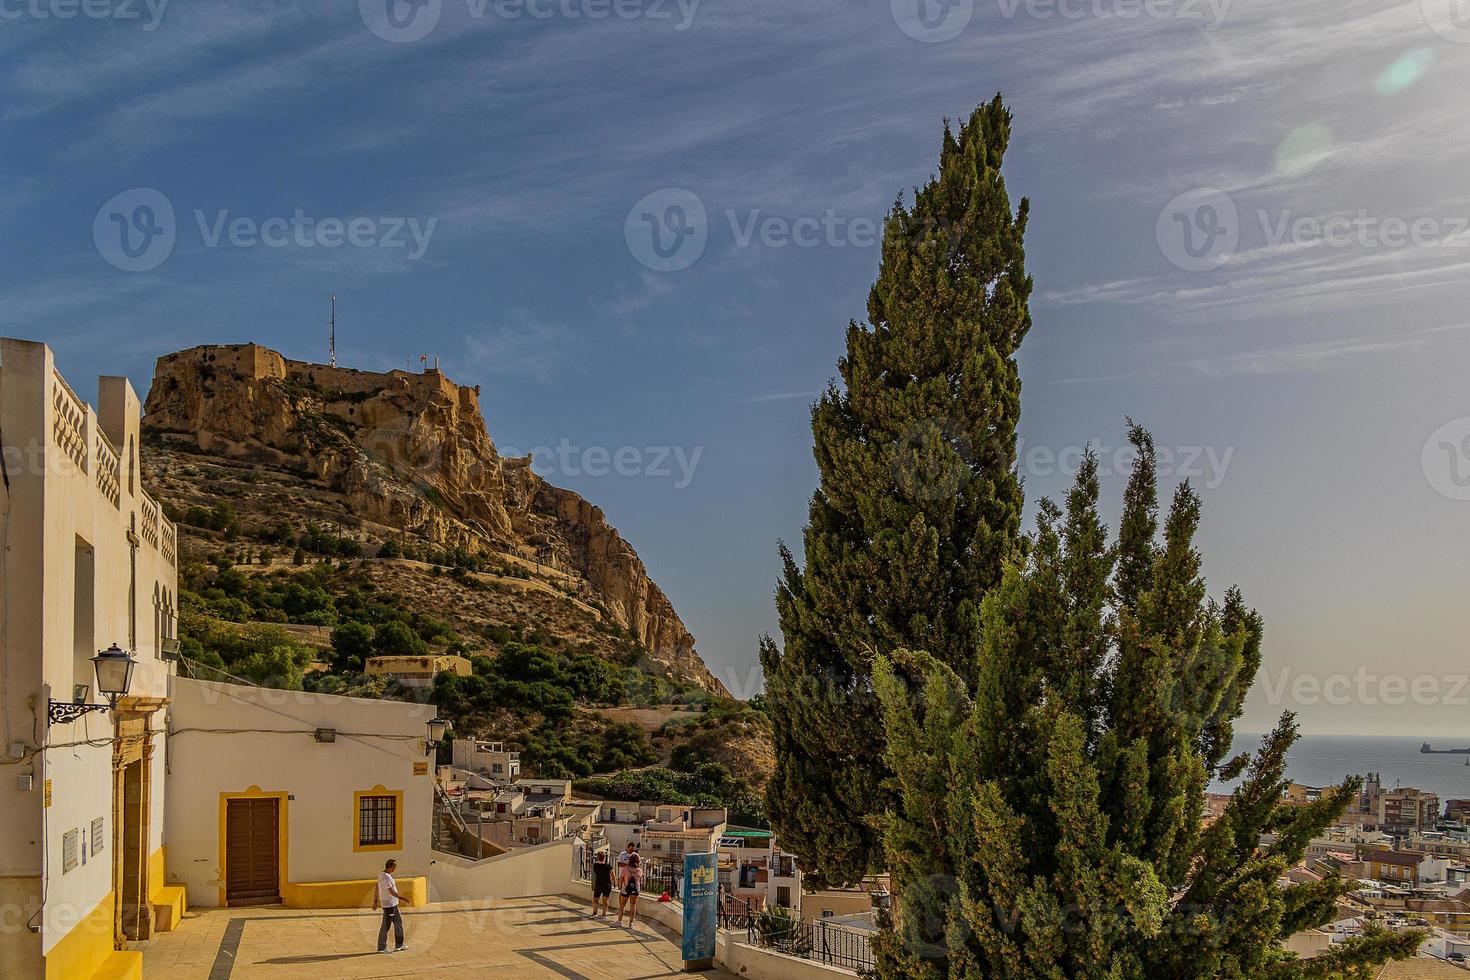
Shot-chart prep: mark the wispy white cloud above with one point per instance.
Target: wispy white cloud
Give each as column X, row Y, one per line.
column 1309, row 357
column 98, row 67
column 519, row 343
column 781, row 396
column 1313, row 356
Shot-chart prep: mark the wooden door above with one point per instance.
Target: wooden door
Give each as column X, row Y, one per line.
column 252, row 856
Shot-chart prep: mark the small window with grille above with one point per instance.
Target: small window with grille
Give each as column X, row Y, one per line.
column 377, row 821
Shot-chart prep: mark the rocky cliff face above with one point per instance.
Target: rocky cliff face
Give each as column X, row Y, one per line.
column 410, row 454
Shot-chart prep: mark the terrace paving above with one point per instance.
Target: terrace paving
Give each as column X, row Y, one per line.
column 527, row 937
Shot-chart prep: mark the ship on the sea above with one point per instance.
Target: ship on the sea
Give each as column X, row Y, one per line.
column 1427, row 750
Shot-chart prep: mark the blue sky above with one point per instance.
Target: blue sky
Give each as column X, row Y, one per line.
column 1300, row 353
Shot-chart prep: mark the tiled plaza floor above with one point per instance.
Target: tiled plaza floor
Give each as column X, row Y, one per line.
column 528, row 937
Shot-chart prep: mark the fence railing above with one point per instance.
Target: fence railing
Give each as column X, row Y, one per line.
column 664, row 878
column 447, row 820
column 737, row 913
column 819, row 940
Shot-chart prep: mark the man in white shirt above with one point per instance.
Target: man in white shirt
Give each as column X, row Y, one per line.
column 386, row 895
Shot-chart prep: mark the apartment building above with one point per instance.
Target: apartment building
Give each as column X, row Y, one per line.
column 673, row 831
column 757, row 872
column 488, row 759
column 1453, row 847
column 552, row 789
column 621, row 821
column 1394, row 867
column 1398, row 809
column 1408, row 809
column 1301, row 794
column 664, row 832
column 527, row 813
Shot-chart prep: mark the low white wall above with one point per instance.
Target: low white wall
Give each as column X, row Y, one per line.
column 526, row 872
column 731, row 952
column 667, row 914
column 762, row 964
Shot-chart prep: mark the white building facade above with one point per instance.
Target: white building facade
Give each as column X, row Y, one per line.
column 87, row 560
column 757, row 872
column 318, row 792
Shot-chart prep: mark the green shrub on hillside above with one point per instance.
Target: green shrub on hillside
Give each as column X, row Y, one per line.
column 261, row 652
column 528, row 692
column 396, row 639
column 352, row 644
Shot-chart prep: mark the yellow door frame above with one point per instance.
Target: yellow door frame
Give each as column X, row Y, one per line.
column 282, row 835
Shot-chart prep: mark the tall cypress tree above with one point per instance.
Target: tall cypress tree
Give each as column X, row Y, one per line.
column 919, row 505
column 1050, row 819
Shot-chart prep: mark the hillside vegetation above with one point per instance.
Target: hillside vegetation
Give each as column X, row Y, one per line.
column 292, row 575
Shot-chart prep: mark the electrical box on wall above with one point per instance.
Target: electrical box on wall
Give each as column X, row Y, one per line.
column 25, row 783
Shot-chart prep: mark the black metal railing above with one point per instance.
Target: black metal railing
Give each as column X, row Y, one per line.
column 819, row 940
column 736, row 913
column 664, row 878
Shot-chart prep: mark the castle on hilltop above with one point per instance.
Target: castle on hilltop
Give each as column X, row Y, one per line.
column 260, row 363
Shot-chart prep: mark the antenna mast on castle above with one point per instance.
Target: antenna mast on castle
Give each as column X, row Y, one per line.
column 332, row 342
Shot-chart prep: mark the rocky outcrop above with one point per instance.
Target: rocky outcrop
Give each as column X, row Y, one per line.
column 410, row 453
column 616, row 573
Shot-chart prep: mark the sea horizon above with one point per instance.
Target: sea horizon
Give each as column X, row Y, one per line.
column 1325, row 760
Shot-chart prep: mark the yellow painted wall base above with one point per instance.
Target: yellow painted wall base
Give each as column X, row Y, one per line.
column 157, row 862
column 121, row 966
column 349, row 894
column 169, row 902
column 169, row 905
column 83, row 951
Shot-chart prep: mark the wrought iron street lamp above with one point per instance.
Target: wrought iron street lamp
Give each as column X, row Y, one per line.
column 437, row 727
column 114, row 669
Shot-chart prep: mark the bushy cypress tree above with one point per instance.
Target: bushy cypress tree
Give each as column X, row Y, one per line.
column 919, row 504
column 1049, row 820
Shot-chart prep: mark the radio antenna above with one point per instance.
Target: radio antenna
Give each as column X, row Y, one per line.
column 332, row 341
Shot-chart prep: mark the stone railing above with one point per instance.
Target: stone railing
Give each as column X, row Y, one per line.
column 109, row 470
column 169, row 545
column 72, row 423
column 69, row 423
column 149, row 510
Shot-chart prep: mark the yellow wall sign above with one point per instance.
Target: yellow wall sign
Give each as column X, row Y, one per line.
column 420, row 768
column 46, row 794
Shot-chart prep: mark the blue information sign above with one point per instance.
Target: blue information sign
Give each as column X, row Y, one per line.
column 701, row 896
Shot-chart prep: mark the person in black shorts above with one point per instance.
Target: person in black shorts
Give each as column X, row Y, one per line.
column 601, row 884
